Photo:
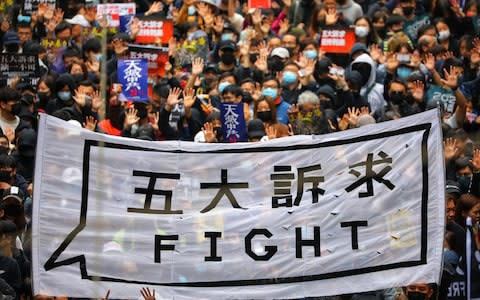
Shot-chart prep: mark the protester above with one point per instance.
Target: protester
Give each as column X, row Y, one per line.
column 271, row 66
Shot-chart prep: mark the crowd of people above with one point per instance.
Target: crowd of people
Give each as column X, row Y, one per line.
column 409, row 56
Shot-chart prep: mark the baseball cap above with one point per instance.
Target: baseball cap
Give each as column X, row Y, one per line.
column 79, row 20
column 10, row 38
column 280, row 52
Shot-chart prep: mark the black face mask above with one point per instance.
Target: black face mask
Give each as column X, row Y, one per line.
column 364, row 69
column 16, row 108
column 275, row 64
column 227, row 58
column 416, row 296
column 291, row 51
column 265, row 116
column 253, row 58
column 78, row 78
column 326, row 104
column 408, row 10
column 6, row 176
column 43, row 97
column 397, row 98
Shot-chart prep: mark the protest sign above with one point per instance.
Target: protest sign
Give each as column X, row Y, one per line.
column 113, row 11
column 153, row 28
column 337, row 40
column 21, row 65
column 133, row 75
column 157, row 57
column 30, row 6
column 259, row 4
column 296, row 217
column 233, row 122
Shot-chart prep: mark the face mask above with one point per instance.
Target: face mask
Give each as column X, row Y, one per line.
column 381, row 31
column 228, row 58
column 191, row 10
column 361, row 31
column 403, row 58
column 310, row 54
column 396, row 97
column 265, row 116
column 408, row 10
column 227, row 37
column 470, row 116
column 43, row 97
column 78, row 77
column 290, row 51
column 275, row 64
column 5, row 176
column 269, row 92
column 98, row 56
column 253, row 58
column 16, row 108
column 64, row 96
column 289, row 78
column 443, row 35
column 416, row 296
column 24, row 19
column 403, row 72
column 326, row 104
column 464, row 182
column 222, row 86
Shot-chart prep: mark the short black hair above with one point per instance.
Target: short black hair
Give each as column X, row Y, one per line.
column 62, row 26
column 233, row 89
column 7, row 227
column 270, row 78
column 7, row 94
column 92, row 45
column 7, row 161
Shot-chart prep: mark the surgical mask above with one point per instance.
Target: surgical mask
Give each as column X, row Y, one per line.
column 227, row 37
column 270, row 92
column 24, row 19
column 403, row 58
column 191, row 10
column 310, row 54
column 289, row 77
column 443, row 35
column 98, row 56
column 222, row 86
column 361, row 31
column 64, row 96
column 464, row 182
column 265, row 116
column 403, row 72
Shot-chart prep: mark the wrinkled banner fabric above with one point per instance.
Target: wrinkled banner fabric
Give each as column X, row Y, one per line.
column 294, row 217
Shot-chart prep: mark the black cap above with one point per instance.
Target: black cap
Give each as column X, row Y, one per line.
column 224, row 45
column 211, row 67
column 256, row 129
column 452, row 187
column 15, row 193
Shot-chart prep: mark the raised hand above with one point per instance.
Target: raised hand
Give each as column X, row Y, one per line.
column 134, row 28
column 418, row 91
column 197, row 66
column 476, row 160
column 147, row 294
column 120, row 47
column 261, row 63
column 189, row 98
column 377, row 54
column 154, row 121
column 96, row 101
column 353, row 114
column 429, row 62
column 257, row 17
column 154, row 8
column 364, row 110
column 392, row 62
column 284, row 26
column 208, row 132
column 172, row 98
column 450, row 148
column 131, row 118
column 90, row 123
column 451, row 78
column 271, row 131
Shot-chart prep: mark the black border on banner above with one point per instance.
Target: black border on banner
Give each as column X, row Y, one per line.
column 52, row 262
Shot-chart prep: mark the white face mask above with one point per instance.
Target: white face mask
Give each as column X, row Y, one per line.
column 361, row 31
column 403, row 58
column 443, row 35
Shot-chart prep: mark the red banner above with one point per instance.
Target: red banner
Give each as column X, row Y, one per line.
column 152, row 29
column 259, row 3
column 337, row 40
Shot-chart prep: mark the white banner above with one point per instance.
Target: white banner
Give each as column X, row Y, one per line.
column 295, row 217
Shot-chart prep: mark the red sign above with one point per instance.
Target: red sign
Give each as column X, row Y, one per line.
column 152, row 29
column 337, row 40
column 259, row 3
